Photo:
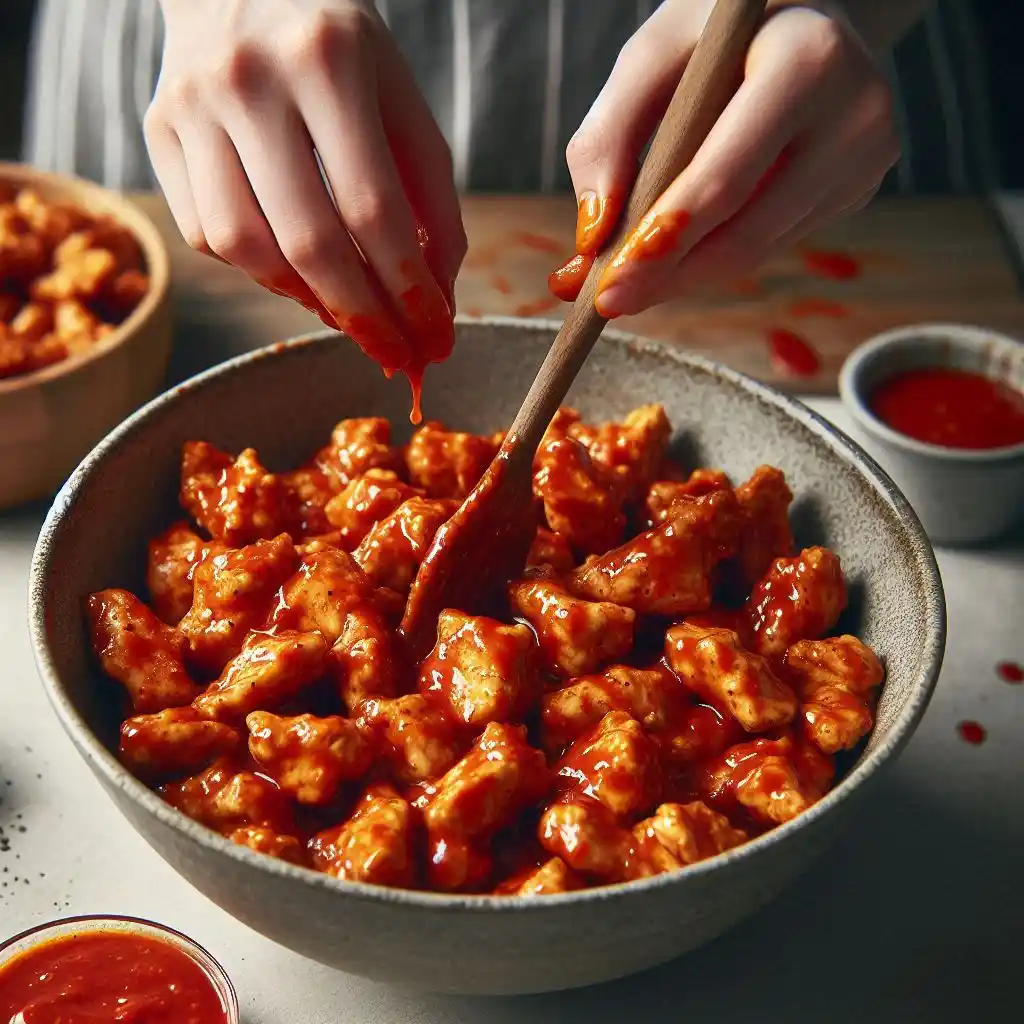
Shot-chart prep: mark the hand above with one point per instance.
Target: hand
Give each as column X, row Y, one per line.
column 807, row 137
column 250, row 94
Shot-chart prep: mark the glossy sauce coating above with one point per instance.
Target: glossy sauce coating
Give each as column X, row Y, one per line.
column 107, row 976
column 660, row 684
column 951, row 408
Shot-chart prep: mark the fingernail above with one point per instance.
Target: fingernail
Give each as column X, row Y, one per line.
column 590, row 230
column 605, row 302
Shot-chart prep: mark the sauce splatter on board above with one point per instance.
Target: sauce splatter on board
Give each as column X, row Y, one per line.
column 542, row 243
column 1010, row 672
column 835, row 266
column 792, row 354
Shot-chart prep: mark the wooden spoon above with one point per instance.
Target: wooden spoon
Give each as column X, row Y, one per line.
column 487, row 541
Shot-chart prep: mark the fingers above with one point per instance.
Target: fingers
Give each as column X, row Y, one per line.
column 172, row 175
column 803, row 73
column 232, row 224
column 604, row 153
column 335, row 87
column 272, row 142
column 424, row 164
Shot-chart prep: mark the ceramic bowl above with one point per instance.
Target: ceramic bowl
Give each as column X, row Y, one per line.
column 68, row 927
column 284, row 400
column 51, row 418
column 962, row 497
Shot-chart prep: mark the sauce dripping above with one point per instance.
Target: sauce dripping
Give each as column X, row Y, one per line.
column 951, row 408
column 793, row 354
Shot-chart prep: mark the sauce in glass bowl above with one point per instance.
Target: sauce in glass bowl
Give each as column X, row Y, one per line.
column 88, row 970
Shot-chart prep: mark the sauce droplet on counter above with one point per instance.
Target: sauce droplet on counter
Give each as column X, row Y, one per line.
column 107, row 975
column 1010, row 672
column 542, row 305
column 501, row 284
column 835, row 266
column 951, row 408
column 793, row 354
column 542, row 243
column 971, row 732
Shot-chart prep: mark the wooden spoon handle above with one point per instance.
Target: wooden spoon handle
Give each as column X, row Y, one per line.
column 707, row 84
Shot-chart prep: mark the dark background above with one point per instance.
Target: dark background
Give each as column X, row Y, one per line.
column 1002, row 23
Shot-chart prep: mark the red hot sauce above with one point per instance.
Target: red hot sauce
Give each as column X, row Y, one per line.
column 951, row 408
column 108, row 976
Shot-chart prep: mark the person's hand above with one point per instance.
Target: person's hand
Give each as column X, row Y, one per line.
column 807, row 137
column 250, row 94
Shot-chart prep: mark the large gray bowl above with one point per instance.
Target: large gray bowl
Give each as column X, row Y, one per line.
column 284, row 401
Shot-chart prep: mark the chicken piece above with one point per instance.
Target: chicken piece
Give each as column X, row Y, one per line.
column 582, row 501
column 800, row 598
column 766, row 535
column 680, row 834
column 269, row 669
column 703, row 732
column 106, row 233
column 663, row 494
column 390, row 554
column 616, row 763
column 174, row 556
column 233, row 593
column 455, row 864
column 631, row 450
column 308, row 757
column 52, row 222
column 413, row 734
column 553, row 876
column 224, row 799
column 306, row 493
column 124, row 294
column 667, row 570
column 177, row 741
column 75, row 323
column 712, row 663
column 653, row 696
column 484, row 669
column 33, row 322
column 236, row 501
column 138, row 650
column 376, row 844
column 576, row 636
column 446, row 463
column 270, row 843
column 358, row 445
column 83, row 278
column 328, row 585
column 585, row 835
column 364, row 501
column 772, row 780
column 499, row 777
column 15, row 355
column 551, row 550
column 364, row 660
column 835, row 679
column 323, row 542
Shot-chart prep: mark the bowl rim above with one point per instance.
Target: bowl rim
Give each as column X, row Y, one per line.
column 213, row 968
column 143, row 230
column 104, row 763
column 967, row 338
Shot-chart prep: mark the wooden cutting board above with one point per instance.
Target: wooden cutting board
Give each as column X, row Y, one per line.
column 900, row 261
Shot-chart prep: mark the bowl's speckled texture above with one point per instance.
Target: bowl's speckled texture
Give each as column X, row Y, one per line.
column 284, row 401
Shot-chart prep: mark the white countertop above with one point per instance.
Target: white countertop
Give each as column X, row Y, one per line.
column 915, row 914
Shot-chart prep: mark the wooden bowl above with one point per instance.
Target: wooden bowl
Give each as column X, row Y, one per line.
column 50, row 419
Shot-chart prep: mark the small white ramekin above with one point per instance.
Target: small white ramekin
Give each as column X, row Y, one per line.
column 69, row 926
column 961, row 496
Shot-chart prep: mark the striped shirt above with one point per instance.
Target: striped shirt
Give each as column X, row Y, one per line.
column 508, row 83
